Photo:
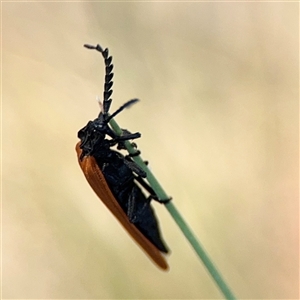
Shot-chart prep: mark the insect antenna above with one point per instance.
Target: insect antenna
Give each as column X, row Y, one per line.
column 108, row 83
column 125, row 105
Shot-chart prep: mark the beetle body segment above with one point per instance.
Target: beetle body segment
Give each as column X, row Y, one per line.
column 99, row 184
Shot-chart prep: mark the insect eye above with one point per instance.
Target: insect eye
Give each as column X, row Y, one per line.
column 99, row 127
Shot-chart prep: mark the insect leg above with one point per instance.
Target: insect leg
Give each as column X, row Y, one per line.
column 121, row 139
column 149, row 189
column 135, row 208
column 127, row 135
column 135, row 167
column 132, row 205
column 130, row 136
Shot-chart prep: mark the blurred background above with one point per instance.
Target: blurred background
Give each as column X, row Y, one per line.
column 218, row 84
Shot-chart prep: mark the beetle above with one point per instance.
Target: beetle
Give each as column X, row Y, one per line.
column 116, row 179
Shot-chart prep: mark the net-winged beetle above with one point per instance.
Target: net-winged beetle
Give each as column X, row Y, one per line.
column 117, row 179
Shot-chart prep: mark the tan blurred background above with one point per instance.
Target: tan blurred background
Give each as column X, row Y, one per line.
column 219, row 123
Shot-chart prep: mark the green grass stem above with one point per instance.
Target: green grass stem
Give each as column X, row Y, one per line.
column 224, row 288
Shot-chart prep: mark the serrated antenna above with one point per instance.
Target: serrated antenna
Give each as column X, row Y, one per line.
column 105, row 105
column 108, row 83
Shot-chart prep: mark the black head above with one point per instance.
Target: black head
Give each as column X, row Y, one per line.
column 93, row 135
